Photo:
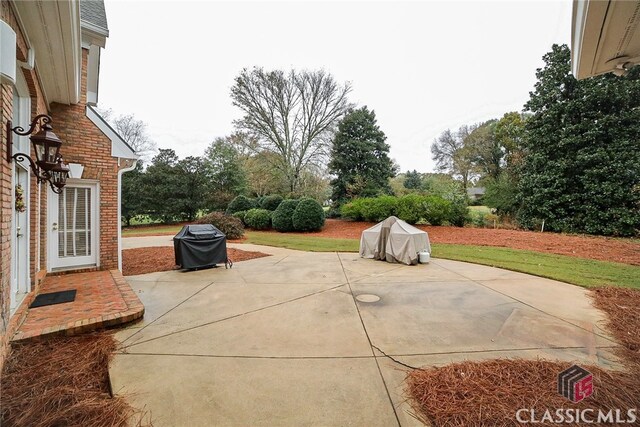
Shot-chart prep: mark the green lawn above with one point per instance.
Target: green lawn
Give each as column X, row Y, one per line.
column 302, row 242
column 480, row 209
column 151, row 231
column 578, row 271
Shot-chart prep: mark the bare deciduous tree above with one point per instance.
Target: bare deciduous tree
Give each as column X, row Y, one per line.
column 134, row 132
column 453, row 155
column 292, row 115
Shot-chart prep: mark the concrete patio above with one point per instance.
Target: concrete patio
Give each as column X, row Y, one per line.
column 303, row 338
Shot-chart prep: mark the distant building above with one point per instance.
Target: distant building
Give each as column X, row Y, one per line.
column 476, row 193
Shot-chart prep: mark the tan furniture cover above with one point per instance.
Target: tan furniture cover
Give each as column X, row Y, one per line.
column 393, row 240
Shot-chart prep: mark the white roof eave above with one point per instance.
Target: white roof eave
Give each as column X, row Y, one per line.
column 119, row 147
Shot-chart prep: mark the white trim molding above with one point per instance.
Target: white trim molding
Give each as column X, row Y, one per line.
column 53, row 30
column 119, row 147
column 120, row 172
column 8, row 52
column 605, row 37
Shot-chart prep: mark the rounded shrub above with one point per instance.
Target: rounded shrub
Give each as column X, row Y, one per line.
column 230, row 226
column 282, row 217
column 240, row 215
column 379, row 208
column 272, row 202
column 258, row 219
column 478, row 219
column 353, row 210
column 333, row 212
column 458, row 214
column 308, row 216
column 437, row 210
column 240, row 203
column 257, row 202
column 411, row 208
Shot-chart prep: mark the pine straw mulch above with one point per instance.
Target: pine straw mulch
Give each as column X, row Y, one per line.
column 62, row 381
column 162, row 258
column 490, row 392
column 626, row 251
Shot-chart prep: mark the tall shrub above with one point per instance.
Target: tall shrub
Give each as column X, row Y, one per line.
column 411, row 208
column 379, row 208
column 353, row 209
column 240, row 203
column 437, row 210
column 258, row 219
column 308, row 216
column 282, row 217
column 271, row 203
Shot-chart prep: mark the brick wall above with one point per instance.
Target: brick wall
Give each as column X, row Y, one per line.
column 5, row 221
column 6, row 189
column 84, row 143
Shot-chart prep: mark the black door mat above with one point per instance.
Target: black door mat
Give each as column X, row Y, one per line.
column 53, row 298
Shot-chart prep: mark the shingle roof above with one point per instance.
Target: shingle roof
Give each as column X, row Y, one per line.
column 476, row 191
column 92, row 12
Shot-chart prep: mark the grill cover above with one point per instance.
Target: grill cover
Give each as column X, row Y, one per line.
column 200, row 245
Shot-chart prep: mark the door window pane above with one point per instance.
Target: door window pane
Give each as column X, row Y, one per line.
column 74, row 222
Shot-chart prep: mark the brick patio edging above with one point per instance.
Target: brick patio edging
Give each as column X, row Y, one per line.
column 134, row 311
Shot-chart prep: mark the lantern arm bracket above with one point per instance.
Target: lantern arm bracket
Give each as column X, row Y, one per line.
column 20, row 157
column 46, row 119
column 41, row 175
column 59, row 172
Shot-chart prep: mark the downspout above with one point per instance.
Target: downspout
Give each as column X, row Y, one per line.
column 120, row 172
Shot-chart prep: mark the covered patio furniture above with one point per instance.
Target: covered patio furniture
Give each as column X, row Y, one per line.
column 393, row 240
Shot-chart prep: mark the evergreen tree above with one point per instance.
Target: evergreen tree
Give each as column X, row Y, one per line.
column 359, row 158
column 132, row 203
column 189, row 192
column 581, row 167
column 226, row 177
column 412, row 180
column 160, row 184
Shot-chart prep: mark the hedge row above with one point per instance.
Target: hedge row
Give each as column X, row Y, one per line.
column 244, row 203
column 289, row 215
column 411, row 208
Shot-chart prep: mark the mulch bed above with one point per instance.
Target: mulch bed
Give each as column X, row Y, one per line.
column 626, row 251
column 161, row 258
column 491, row 392
column 62, row 381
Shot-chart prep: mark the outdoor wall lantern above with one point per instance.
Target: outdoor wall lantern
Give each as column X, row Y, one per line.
column 48, row 165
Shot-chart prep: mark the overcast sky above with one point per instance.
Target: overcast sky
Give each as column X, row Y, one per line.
column 423, row 66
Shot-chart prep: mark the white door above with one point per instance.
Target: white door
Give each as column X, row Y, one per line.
column 20, row 238
column 73, row 224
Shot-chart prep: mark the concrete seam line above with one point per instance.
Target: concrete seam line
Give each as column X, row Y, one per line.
column 391, row 356
column 280, row 260
column 166, row 312
column 221, row 356
column 364, row 328
column 236, row 315
column 533, row 307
